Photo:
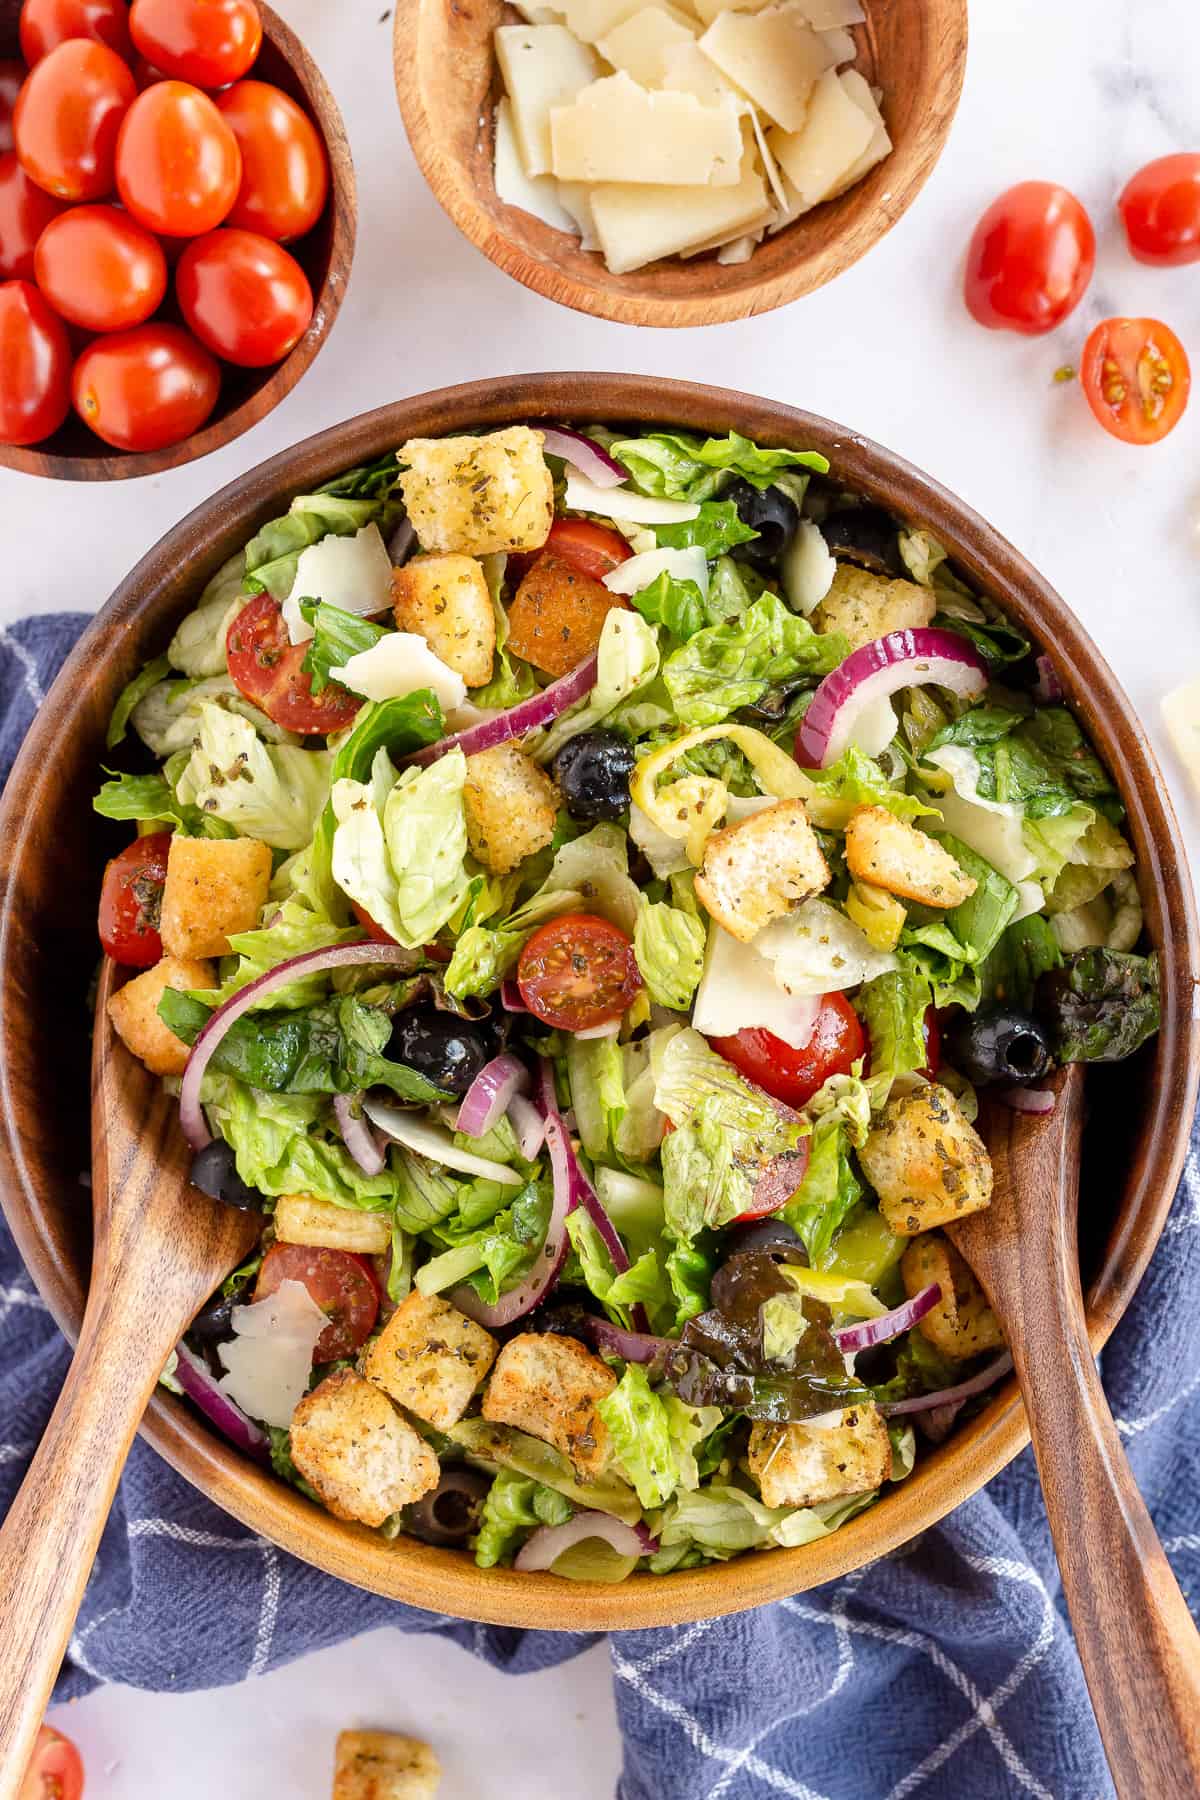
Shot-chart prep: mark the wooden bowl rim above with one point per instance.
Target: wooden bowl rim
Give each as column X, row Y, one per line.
column 443, row 1581
column 108, row 464
column 910, row 165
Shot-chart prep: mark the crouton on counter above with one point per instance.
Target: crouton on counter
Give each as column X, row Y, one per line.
column 384, row 1765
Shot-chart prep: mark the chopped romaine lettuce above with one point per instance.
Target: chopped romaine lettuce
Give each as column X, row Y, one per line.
column 273, row 792
column 150, row 798
column 678, row 466
column 679, row 605
column 893, row 1007
column 399, row 845
column 337, row 636
column 1101, row 1005
column 731, row 665
column 627, row 662
column 669, row 945
column 512, row 678
column 854, row 780
column 639, row 1425
column 133, row 692
column 280, row 1148
column 514, row 1507
column 715, row 529
column 828, row 1193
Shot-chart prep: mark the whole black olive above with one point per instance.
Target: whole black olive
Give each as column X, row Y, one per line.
column 566, row 1319
column 865, row 536
column 593, row 771
column 766, row 1234
column 1000, row 1045
column 214, row 1171
column 447, row 1050
column 769, row 511
column 450, row 1514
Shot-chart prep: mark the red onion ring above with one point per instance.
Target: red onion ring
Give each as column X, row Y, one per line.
column 888, row 1324
column 583, row 453
column 543, row 1549
column 900, row 659
column 631, row 1346
column 1047, row 687
column 510, row 996
column 402, row 543
column 1027, row 1100
column 588, row 1198
column 966, row 1390
column 530, row 715
column 528, row 1124
column 358, row 1135
column 200, row 1385
column 487, row 1099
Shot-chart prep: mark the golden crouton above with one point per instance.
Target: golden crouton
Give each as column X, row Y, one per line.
column 863, row 606
column 383, row 1765
column 890, row 853
column 803, row 1463
column 303, row 1219
column 511, row 807
column 445, row 600
column 760, row 869
column 479, row 495
column 558, row 614
column 926, row 1162
column 133, row 1010
column 548, row 1386
column 430, row 1357
column 215, row 887
column 362, row 1456
column 962, row 1324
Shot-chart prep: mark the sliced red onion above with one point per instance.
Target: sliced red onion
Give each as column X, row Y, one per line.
column 584, row 454
column 889, row 1324
column 543, row 1549
column 902, row 659
column 937, row 1424
column 966, row 1390
column 1026, row 1099
column 402, row 542
column 528, row 1124
column 311, row 962
column 200, row 1385
column 510, row 996
column 357, row 1135
column 632, row 1346
column 529, row 715
column 1047, row 687
column 487, row 1099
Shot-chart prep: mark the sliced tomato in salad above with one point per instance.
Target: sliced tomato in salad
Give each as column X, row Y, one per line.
column 592, row 549
column 267, row 668
column 342, row 1284
column 793, row 1074
column 55, row 1770
column 375, row 932
column 131, row 901
column 578, row 972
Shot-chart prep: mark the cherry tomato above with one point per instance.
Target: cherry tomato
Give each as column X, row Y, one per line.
column 45, row 24
column 1136, row 377
column 375, row 932
column 208, row 42
column 12, row 74
column 178, row 164
column 1030, row 258
column 244, row 297
column 933, row 1043
column 342, row 1284
column 791, row 1074
column 68, row 116
column 35, row 366
column 285, row 172
column 578, row 971
column 131, row 901
column 1160, row 209
column 25, row 211
column 146, row 388
column 100, row 269
column 266, row 666
column 592, row 549
column 55, row 1771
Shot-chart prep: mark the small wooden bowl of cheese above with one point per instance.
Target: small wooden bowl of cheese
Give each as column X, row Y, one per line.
column 677, row 162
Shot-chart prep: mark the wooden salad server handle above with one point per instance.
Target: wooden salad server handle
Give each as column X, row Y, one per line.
column 161, row 1247
column 1137, row 1641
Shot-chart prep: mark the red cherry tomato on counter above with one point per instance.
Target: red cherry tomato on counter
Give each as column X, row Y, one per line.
column 342, row 1285
column 55, row 1771
column 35, row 366
column 1136, row 377
column 209, row 42
column 131, row 901
column 792, row 1074
column 100, row 269
column 285, row 172
column 68, row 117
column 266, row 667
column 592, row 549
column 577, row 972
column 1160, row 209
column 1030, row 258
column 25, row 211
column 147, row 388
column 12, row 74
column 45, row 24
column 178, row 164
column 244, row 297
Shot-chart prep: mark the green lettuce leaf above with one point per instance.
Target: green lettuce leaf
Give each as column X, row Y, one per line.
column 722, row 1521
column 679, row 605
column 514, row 1507
column 828, row 1193
column 512, row 678
column 627, row 662
column 893, row 1007
column 273, row 792
column 337, row 636
column 281, row 1147
column 1023, row 953
column 715, row 530
column 640, row 1427
column 855, row 780
column 682, row 467
column 1101, row 1005
column 151, row 797
column 293, row 931
column 198, row 647
column 732, row 665
column 669, row 944
column 342, row 507
column 998, row 642
column 399, row 845
column 130, row 695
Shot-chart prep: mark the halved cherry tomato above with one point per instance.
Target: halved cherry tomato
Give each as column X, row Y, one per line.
column 178, row 164
column 791, row 1074
column 1136, row 377
column 131, row 901
column 375, row 932
column 342, row 1284
column 45, row 24
column 266, row 666
column 55, row 1771
column 244, row 297
column 12, row 74
column 1160, row 209
column 68, row 117
column 578, row 971
column 35, row 366
column 25, row 211
column 592, row 549
column 209, row 42
column 100, row 269
column 146, row 388
column 285, row 172
column 1030, row 258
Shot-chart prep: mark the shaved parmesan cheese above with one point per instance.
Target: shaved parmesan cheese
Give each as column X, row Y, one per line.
column 880, row 145
column 435, row 1142
column 687, row 70
column 773, row 56
column 666, row 855
column 840, row 46
column 1181, row 716
column 576, row 197
column 637, row 572
column 401, row 663
column 269, row 1360
column 616, row 131
column 638, row 45
column 708, row 10
column 818, row 950
column 738, row 992
column 622, row 503
column 807, row 568
column 739, row 250
column 874, row 727
column 538, row 15
column 536, row 194
column 725, row 236
column 828, row 15
column 543, row 66
column 834, row 135
column 636, row 225
column 594, row 19
column 770, row 166
column 354, row 573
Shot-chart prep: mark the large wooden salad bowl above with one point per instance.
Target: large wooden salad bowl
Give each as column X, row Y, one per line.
column 52, row 848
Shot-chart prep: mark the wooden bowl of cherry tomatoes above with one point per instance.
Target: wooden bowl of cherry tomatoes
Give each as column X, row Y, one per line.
column 177, row 219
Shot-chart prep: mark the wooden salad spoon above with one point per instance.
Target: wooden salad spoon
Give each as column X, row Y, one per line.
column 161, row 1247
column 1137, row 1641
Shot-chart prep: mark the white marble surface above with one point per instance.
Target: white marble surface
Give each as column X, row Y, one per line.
column 1082, row 91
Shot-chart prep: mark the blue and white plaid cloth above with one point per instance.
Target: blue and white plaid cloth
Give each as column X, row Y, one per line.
column 947, row 1669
